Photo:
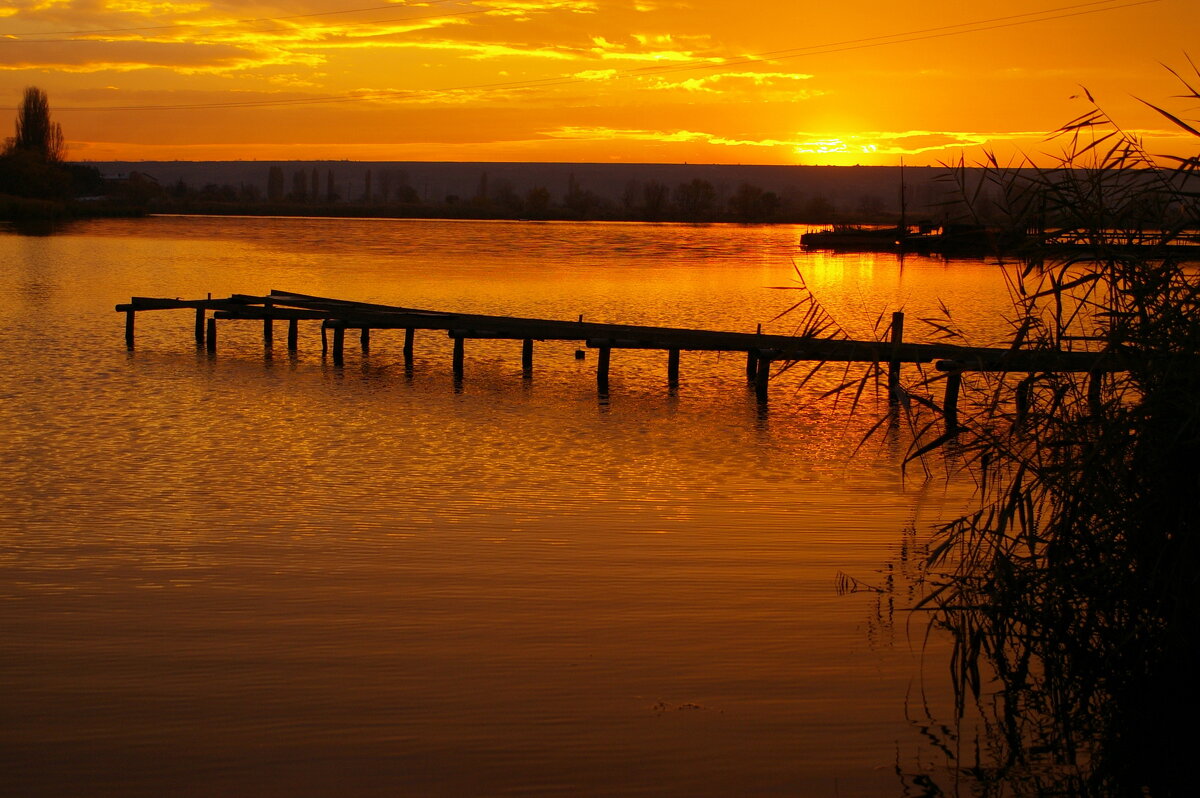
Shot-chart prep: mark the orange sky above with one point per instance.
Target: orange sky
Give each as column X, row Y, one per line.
column 711, row 81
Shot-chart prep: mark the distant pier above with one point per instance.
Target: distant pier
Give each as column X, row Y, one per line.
column 336, row 316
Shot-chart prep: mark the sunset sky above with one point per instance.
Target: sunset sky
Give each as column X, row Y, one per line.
column 708, row 81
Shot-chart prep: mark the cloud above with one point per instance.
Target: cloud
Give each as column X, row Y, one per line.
column 524, row 7
column 597, row 74
column 479, row 50
column 152, row 8
column 217, row 41
column 908, row 142
column 874, row 143
column 606, row 50
column 766, row 86
column 89, row 56
column 885, row 143
column 581, row 133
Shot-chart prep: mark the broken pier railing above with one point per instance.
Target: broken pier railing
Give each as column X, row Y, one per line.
column 337, row 316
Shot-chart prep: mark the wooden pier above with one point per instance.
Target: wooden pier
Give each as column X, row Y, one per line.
column 761, row 351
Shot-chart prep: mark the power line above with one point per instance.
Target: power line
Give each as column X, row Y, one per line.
column 923, row 34
column 1078, row 9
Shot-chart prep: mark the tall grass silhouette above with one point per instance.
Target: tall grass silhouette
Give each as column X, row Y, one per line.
column 1071, row 592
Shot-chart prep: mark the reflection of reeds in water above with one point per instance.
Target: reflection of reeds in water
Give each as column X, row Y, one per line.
column 1071, row 594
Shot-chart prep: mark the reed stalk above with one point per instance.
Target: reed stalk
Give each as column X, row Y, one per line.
column 1071, row 592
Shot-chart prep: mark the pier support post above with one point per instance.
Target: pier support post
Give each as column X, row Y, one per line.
column 324, row 338
column 268, row 329
column 129, row 329
column 199, row 326
column 762, row 377
column 210, row 338
column 673, row 368
column 339, row 344
column 458, row 357
column 1093, row 393
column 408, row 345
column 293, row 335
column 365, row 339
column 527, row 358
column 894, row 363
column 602, row 368
column 751, row 365
column 1024, row 389
column 950, row 402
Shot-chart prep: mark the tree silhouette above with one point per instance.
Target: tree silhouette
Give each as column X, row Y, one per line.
column 31, row 162
column 579, row 199
column 36, row 134
column 695, row 200
column 537, row 201
column 299, row 186
column 654, row 200
column 751, row 204
column 481, row 198
column 275, row 183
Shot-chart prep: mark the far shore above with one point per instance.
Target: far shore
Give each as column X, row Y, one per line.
column 17, row 209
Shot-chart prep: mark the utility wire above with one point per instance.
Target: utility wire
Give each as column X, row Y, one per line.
column 942, row 31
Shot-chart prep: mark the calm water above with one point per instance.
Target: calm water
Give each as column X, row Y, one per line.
column 249, row 575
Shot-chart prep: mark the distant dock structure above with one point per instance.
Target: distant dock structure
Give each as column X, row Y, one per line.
column 337, row 316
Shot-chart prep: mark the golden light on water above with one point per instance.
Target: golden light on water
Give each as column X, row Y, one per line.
column 270, row 575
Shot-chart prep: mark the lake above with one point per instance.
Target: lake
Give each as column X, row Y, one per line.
column 258, row 574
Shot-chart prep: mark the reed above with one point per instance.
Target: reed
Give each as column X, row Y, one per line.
column 1071, row 592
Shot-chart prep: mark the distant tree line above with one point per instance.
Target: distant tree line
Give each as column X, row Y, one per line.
column 388, row 192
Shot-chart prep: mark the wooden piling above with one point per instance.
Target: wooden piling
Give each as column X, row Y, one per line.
column 199, row 326
column 751, row 365
column 458, row 357
column 602, row 368
column 1093, row 393
column 1024, row 389
column 673, row 368
column 324, row 338
column 210, row 338
column 894, row 363
column 762, row 377
column 527, row 358
column 339, row 344
column 129, row 329
column 268, row 331
column 409, row 333
column 950, row 401
column 364, row 338
column 293, row 334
